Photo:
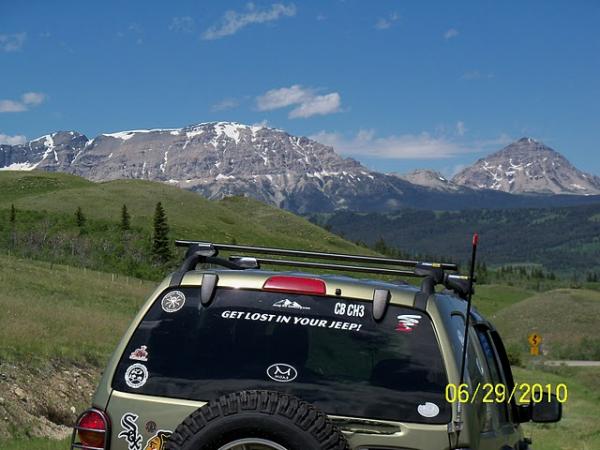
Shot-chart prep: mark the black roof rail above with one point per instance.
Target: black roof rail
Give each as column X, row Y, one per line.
column 432, row 273
column 318, row 255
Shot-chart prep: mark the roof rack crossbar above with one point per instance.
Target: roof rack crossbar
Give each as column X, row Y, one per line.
column 318, row 255
column 340, row 267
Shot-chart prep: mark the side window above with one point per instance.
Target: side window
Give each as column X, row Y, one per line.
column 494, row 369
column 478, row 377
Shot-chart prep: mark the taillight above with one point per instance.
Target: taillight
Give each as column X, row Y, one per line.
column 296, row 285
column 91, row 431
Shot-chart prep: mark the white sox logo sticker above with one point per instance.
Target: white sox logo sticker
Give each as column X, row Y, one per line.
column 130, row 432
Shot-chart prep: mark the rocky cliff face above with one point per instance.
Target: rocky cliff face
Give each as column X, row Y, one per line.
column 528, row 166
column 220, row 159
column 216, row 160
column 430, row 179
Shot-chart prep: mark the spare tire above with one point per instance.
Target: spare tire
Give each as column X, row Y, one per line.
column 257, row 420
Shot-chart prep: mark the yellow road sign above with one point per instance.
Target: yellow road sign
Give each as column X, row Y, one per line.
column 535, row 339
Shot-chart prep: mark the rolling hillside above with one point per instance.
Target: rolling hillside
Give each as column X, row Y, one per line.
column 560, row 239
column 45, row 226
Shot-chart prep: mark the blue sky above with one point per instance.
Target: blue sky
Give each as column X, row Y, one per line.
column 398, row 85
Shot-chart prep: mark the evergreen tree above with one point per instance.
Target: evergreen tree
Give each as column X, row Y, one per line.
column 160, row 241
column 13, row 214
column 381, row 247
column 79, row 217
column 125, row 219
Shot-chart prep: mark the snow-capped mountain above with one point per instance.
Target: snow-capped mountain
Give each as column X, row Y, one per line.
column 220, row 159
column 525, row 167
column 429, row 179
column 216, row 159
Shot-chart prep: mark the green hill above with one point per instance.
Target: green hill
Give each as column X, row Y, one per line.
column 567, row 319
column 45, row 226
column 562, row 239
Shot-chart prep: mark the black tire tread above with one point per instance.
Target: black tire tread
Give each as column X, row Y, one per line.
column 302, row 414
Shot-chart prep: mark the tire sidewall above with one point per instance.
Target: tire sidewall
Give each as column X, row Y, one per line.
column 252, row 425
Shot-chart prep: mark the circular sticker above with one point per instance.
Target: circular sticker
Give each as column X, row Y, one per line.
column 173, row 301
column 282, row 373
column 428, row 409
column 136, row 376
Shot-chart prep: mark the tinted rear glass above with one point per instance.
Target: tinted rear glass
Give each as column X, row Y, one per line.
column 328, row 351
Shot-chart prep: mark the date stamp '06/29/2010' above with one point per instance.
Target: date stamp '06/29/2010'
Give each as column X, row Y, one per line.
column 500, row 393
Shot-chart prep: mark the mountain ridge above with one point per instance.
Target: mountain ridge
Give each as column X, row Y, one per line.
column 221, row 159
column 528, row 166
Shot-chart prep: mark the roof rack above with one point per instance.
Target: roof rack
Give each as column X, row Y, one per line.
column 432, row 273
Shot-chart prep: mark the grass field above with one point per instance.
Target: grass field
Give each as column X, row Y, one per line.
column 579, row 428
column 35, row 444
column 567, row 319
column 61, row 312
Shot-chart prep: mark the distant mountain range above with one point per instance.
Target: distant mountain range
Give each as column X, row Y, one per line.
column 220, row 159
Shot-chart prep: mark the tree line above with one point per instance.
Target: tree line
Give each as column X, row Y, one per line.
column 160, row 251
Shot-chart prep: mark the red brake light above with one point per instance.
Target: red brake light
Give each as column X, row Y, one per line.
column 296, row 285
column 91, row 429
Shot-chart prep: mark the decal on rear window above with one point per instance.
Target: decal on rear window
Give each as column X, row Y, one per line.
column 173, row 301
column 282, row 373
column 136, row 376
column 407, row 322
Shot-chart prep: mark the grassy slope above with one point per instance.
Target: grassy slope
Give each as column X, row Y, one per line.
column 491, row 298
column 564, row 317
column 189, row 215
column 579, row 428
column 61, row 312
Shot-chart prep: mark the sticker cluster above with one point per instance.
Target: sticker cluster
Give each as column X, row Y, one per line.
column 134, row 439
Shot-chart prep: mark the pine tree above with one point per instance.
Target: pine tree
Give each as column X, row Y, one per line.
column 125, row 219
column 13, row 214
column 79, row 217
column 160, row 241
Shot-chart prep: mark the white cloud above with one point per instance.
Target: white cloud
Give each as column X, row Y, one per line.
column 319, row 105
column 28, row 99
column 451, row 33
column 33, row 98
column 282, row 97
column 184, row 24
column 12, row 140
column 234, row 21
column 406, row 146
column 460, row 128
column 225, row 104
column 12, row 42
column 308, row 103
column 384, row 23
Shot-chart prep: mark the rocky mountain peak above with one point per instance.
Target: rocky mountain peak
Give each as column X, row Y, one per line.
column 430, row 179
column 528, row 166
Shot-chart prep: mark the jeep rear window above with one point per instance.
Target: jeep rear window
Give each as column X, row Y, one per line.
column 327, row 351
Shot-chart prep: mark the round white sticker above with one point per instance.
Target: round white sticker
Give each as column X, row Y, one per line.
column 428, row 409
column 173, row 301
column 136, row 376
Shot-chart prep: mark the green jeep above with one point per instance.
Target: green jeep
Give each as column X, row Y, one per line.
column 226, row 356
